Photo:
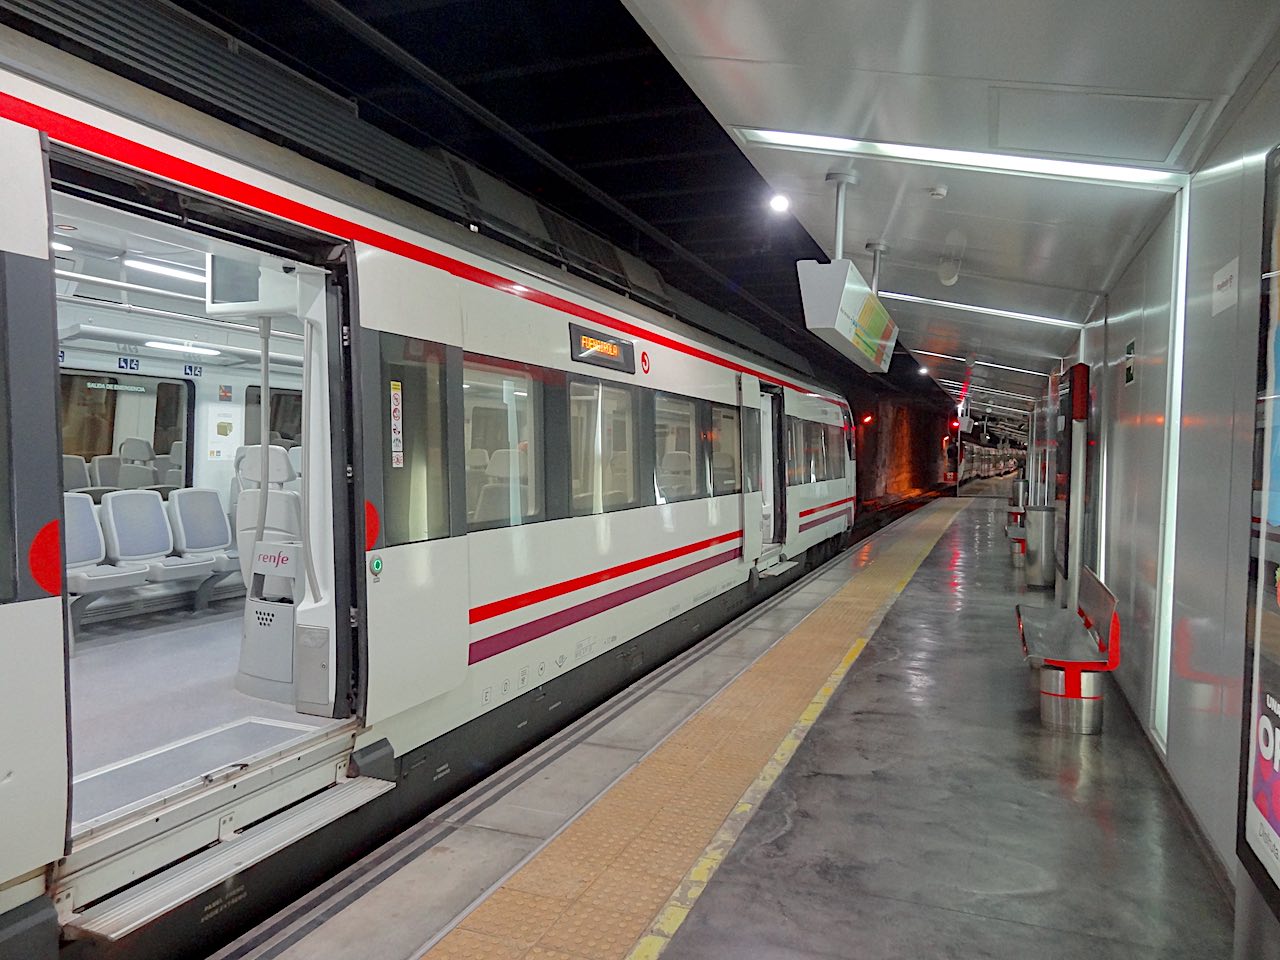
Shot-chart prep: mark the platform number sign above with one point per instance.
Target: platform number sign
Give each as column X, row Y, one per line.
column 126, row 363
column 397, row 424
column 192, row 370
column 1258, row 822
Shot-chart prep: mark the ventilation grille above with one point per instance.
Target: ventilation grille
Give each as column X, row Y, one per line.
column 158, row 41
column 265, row 618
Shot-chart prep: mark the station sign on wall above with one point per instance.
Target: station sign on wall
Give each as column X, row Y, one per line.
column 841, row 310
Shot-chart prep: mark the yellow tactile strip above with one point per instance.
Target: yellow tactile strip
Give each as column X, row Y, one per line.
column 619, row 880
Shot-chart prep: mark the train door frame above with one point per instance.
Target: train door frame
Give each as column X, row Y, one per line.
column 34, row 703
column 751, row 458
column 773, row 409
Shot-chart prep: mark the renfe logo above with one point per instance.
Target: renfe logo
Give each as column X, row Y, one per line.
column 276, row 560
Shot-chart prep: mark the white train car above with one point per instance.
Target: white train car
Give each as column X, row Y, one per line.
column 490, row 495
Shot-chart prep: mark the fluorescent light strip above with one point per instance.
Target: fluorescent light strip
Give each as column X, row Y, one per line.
column 60, row 246
column 971, row 308
column 988, row 162
column 1002, row 393
column 183, row 348
column 165, row 271
column 981, row 363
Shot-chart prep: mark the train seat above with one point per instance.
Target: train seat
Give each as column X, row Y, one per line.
column 105, row 471
column 135, row 476
column 724, row 472
column 494, row 500
column 200, row 528
column 136, row 450
column 137, row 533
column 76, row 478
column 675, row 474
column 176, row 473
column 295, row 460
column 284, row 509
column 86, row 551
column 477, row 475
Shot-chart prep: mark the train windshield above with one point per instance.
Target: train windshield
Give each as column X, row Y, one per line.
column 198, row 513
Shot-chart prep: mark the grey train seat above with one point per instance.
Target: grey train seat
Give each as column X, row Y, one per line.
column 200, row 530
column 494, row 500
column 76, row 479
column 137, row 533
column 284, row 509
column 88, row 573
column 135, row 476
column 105, row 471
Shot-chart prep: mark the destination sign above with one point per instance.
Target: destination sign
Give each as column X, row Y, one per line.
column 601, row 350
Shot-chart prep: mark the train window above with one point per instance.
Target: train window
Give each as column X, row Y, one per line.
column 88, row 414
column 752, row 458
column 415, row 485
column 815, row 452
column 678, row 451
column 835, row 451
column 604, row 474
column 109, row 420
column 285, row 418
column 726, row 447
column 503, row 430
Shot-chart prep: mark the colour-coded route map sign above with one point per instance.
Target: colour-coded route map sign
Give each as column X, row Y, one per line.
column 1258, row 838
column 840, row 309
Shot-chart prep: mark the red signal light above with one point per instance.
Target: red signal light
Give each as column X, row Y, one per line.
column 955, row 424
column 867, row 418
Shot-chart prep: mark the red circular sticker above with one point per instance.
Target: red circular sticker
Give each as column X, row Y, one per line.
column 372, row 523
column 44, row 558
column 644, row 360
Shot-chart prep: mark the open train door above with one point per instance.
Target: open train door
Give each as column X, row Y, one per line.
column 752, row 468
column 33, row 704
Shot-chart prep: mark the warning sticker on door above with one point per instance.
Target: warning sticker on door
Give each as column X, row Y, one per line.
column 397, row 424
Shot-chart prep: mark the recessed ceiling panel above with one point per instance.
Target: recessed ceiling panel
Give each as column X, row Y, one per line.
column 1086, row 124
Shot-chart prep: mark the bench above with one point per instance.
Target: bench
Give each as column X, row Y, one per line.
column 1072, row 649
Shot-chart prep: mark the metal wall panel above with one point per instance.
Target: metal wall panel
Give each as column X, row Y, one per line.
column 1141, row 312
column 1215, row 476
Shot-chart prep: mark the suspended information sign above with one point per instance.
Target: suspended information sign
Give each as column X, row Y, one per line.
column 840, row 309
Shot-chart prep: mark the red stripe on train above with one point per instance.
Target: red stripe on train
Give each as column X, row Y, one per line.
column 498, row 607
column 827, row 506
column 526, row 632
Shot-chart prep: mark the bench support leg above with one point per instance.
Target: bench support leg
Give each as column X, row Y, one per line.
column 1071, row 700
column 75, row 613
column 204, row 592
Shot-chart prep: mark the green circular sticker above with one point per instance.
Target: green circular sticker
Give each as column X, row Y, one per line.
column 375, row 566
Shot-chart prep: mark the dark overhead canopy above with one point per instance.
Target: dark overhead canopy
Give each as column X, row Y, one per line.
column 570, row 101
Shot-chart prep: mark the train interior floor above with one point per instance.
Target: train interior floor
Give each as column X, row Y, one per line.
column 853, row 769
column 154, row 707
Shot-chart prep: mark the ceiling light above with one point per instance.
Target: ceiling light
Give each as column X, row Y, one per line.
column 183, row 348
column 924, row 371
column 971, row 308
column 65, row 227
column 988, row 162
column 992, row 390
column 165, row 271
column 981, row 363
column 61, row 247
column 779, row 203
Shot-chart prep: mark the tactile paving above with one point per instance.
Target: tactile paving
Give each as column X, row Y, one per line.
column 620, row 878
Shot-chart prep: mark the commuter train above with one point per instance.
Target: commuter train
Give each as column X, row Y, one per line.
column 320, row 508
column 980, row 462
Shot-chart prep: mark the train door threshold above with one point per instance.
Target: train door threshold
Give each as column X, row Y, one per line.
column 283, row 791
column 119, row 916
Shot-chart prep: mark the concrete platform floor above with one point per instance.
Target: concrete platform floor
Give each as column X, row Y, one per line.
column 928, row 815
